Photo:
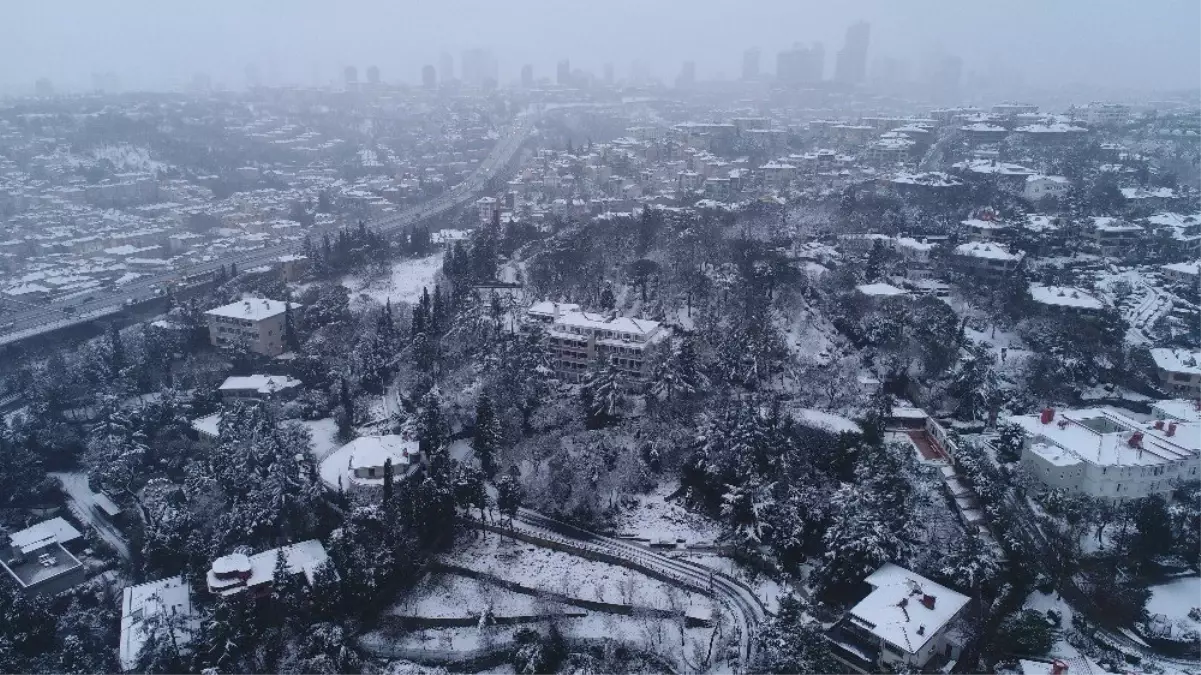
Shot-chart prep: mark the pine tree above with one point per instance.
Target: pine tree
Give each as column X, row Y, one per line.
column 116, row 352
column 438, row 321
column 487, row 435
column 432, row 432
column 233, row 270
column 388, row 478
column 605, row 385
column 509, row 495
column 346, row 419
column 607, row 300
column 291, row 340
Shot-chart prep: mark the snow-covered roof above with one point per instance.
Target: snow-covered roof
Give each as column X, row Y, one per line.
column 551, row 309
column 1111, row 224
column 1034, row 178
column 906, row 609
column 989, row 166
column 261, row 384
column 879, row 289
column 928, row 179
column 1104, row 437
column 209, row 425
column 373, row 451
column 1177, row 360
column 140, row 603
column 1038, row 222
column 1064, row 296
column 987, row 249
column 1053, row 128
column 1190, row 268
column 1184, row 410
column 43, row 534
column 253, row 309
column 1144, row 193
column 301, row 558
column 911, row 243
column 620, row 324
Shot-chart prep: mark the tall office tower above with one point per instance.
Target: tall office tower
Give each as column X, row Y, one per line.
column 479, row 68
column 446, row 68
column 350, row 76
column 43, row 87
column 429, row 78
column 750, row 64
column 527, row 76
column 687, row 76
column 801, row 65
column 372, row 74
column 851, row 65
column 563, row 73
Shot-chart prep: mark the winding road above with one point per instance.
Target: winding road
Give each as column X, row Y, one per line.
column 743, row 603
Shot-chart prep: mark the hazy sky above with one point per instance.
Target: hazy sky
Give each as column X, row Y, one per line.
column 161, row 43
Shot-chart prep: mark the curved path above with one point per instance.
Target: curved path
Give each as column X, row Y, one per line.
column 743, row 603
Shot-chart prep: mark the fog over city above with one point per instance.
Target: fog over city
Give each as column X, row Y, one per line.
column 161, row 45
column 680, row 337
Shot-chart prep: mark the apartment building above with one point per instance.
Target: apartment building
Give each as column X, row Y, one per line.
column 255, row 323
column 1105, row 453
column 578, row 339
column 1179, row 370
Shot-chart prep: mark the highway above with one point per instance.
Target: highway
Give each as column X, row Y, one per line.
column 53, row 315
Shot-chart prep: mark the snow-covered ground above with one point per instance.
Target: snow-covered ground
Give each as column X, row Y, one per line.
column 571, row 576
column 83, row 500
column 324, row 433
column 1175, row 598
column 654, row 518
column 453, row 596
column 404, row 283
column 820, row 419
column 769, row 590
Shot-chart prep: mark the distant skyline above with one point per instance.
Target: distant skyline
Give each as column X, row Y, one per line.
column 156, row 45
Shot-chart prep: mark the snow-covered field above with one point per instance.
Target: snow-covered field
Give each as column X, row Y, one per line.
column 324, row 433
column 452, row 596
column 820, row 419
column 571, row 576
column 656, row 519
column 403, row 284
column 1175, row 598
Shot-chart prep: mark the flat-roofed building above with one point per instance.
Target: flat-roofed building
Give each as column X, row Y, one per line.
column 1105, row 453
column 254, row 323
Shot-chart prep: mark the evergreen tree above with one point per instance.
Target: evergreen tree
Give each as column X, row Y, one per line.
column 291, row 340
column 433, row 434
column 605, row 399
column 509, row 495
column 388, row 481
column 679, row 373
column 233, row 270
column 487, row 435
column 607, row 300
column 116, row 352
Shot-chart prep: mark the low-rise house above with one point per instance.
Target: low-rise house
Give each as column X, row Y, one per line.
column 546, row 312
column 1179, row 370
column 255, row 323
column 906, row 621
column 1179, row 409
column 987, row 258
column 369, row 454
column 1105, row 453
column 237, row 572
column 38, row 560
column 163, row 607
column 1066, row 298
column 880, row 290
column 1182, row 273
column 1112, row 236
column 257, row 387
column 1039, row 186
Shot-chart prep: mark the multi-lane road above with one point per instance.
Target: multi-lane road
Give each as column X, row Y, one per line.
column 50, row 316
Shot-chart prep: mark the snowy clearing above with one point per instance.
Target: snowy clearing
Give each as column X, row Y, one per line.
column 825, row 420
column 1175, row 598
column 404, row 283
column 655, row 519
column 442, row 596
column 324, row 432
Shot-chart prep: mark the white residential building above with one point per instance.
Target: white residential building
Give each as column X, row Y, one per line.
column 1040, row 187
column 38, row 561
column 1179, row 370
column 257, row 386
column 987, row 258
column 237, row 572
column 906, row 619
column 1066, row 298
column 1105, row 453
column 1182, row 273
column 255, row 323
column 167, row 602
column 578, row 339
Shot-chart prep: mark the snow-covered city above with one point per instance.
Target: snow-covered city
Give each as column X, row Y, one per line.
column 693, row 349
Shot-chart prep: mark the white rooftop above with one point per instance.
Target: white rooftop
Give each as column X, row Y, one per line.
column 906, row 609
column 987, row 249
column 1177, row 360
column 301, row 558
column 43, row 534
column 879, row 289
column 1064, row 296
column 140, row 603
column 372, row 451
column 1185, row 410
column 1106, row 437
column 1191, row 268
column 262, row 384
column 254, row 309
column 548, row 308
column 620, row 324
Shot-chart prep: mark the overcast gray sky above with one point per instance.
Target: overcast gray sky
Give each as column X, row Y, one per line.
column 160, row 43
